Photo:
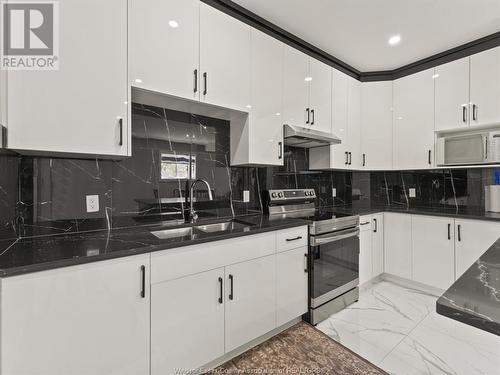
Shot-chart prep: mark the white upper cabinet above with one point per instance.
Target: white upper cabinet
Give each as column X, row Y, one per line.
column 433, row 251
column 346, row 124
column 414, row 121
column 485, row 87
column 87, row 319
column 376, row 125
column 83, row 106
column 265, row 133
column 295, row 87
column 452, row 95
column 164, row 46
column 354, row 123
column 320, row 96
column 340, row 119
column 225, row 45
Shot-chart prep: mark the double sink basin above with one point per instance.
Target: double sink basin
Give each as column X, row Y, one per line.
column 222, row 226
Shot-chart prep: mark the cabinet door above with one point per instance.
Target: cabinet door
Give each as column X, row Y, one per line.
column 266, row 127
column 485, row 87
column 295, row 87
column 414, row 121
column 378, row 244
column 376, row 125
column 452, row 94
column 340, row 98
column 164, row 46
column 473, row 238
column 320, row 96
column 397, row 237
column 78, row 108
column 433, row 251
column 251, row 300
column 88, row 319
column 354, row 121
column 291, row 285
column 187, row 322
column 225, row 59
column 365, row 250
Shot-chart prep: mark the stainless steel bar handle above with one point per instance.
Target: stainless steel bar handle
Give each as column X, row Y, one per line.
column 464, row 114
column 342, row 235
column 474, row 112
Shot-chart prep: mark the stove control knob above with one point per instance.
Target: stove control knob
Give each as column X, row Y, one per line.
column 311, row 193
column 274, row 195
column 280, row 194
column 307, row 193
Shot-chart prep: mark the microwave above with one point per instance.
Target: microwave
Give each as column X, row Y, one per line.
column 472, row 148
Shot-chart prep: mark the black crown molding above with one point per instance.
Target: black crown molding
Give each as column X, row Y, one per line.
column 252, row 19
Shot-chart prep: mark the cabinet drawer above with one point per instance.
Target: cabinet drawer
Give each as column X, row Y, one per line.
column 174, row 263
column 291, row 238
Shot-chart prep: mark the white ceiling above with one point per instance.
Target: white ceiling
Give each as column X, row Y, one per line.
column 357, row 31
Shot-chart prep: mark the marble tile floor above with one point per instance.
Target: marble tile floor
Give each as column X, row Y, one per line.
column 398, row 329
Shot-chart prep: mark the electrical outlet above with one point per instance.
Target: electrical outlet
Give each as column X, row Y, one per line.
column 246, row 196
column 334, row 192
column 92, row 203
column 413, row 192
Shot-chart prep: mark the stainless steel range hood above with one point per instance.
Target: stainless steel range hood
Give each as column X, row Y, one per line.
column 297, row 136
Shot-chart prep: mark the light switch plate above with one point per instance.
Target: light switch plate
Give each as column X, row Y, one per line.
column 92, row 203
column 246, row 196
column 334, row 192
column 413, row 192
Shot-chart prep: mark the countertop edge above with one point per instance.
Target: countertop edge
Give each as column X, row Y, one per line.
column 19, row 271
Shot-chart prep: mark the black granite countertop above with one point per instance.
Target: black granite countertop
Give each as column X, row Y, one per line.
column 474, row 298
column 48, row 252
column 474, row 213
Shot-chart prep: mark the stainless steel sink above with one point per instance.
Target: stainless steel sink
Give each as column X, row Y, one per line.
column 206, row 228
column 220, row 227
column 173, row 233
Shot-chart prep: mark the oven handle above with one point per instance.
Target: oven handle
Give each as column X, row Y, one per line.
column 341, row 235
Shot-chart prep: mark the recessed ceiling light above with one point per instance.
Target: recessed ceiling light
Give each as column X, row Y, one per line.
column 173, row 24
column 138, row 80
column 278, row 114
column 308, row 79
column 395, row 39
column 249, row 106
column 435, row 75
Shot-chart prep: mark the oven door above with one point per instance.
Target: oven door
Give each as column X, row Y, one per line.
column 334, row 264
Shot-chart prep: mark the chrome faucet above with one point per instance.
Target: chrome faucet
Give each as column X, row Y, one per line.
column 193, row 216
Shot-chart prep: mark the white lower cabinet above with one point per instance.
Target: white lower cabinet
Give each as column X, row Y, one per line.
column 186, row 314
column 378, row 244
column 80, row 320
column 291, row 284
column 371, row 247
column 433, row 251
column 207, row 300
column 472, row 239
column 365, row 255
column 251, row 300
column 397, row 251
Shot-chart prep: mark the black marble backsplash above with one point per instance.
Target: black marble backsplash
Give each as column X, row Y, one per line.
column 43, row 196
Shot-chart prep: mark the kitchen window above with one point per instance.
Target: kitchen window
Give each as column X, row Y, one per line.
column 174, row 166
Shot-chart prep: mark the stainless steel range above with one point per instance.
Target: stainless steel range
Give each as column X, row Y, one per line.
column 333, row 257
